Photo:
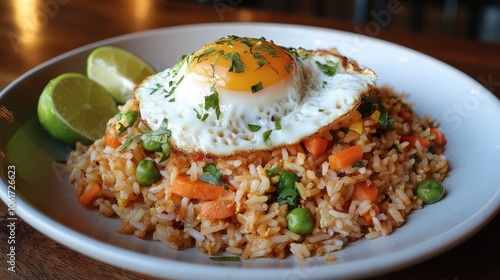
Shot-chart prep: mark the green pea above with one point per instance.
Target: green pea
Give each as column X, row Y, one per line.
column 430, row 191
column 300, row 221
column 147, row 173
column 287, row 179
column 150, row 145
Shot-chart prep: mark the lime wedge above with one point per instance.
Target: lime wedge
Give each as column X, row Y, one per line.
column 74, row 108
column 117, row 70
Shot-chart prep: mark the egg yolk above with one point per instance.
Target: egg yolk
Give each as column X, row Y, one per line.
column 242, row 64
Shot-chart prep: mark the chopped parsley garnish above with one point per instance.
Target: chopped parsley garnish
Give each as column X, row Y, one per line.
column 286, row 190
column 212, row 175
column 129, row 141
column 267, row 138
column 200, row 116
column 277, row 125
column 235, row 64
column 287, row 67
column 271, row 172
column 395, row 147
column 246, row 43
column 158, row 86
column 125, row 120
column 261, row 60
column 289, row 197
column 267, row 48
column 254, row 127
column 384, row 120
column 204, row 53
column 159, row 136
column 369, row 106
column 330, row 68
column 212, row 101
column 358, row 164
column 257, row 87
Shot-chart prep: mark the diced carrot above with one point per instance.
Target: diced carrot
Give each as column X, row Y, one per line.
column 217, row 209
column 111, row 141
column 183, row 186
column 364, row 192
column 424, row 142
column 440, row 137
column 316, row 145
column 345, row 157
column 89, row 194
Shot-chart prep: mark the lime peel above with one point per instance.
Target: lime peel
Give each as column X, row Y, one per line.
column 117, row 70
column 72, row 108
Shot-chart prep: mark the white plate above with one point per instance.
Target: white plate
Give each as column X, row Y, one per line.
column 468, row 114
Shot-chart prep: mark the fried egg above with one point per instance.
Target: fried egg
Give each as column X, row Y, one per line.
column 240, row 94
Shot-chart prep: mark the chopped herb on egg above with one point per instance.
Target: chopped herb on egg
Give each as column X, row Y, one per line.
column 219, row 54
column 235, row 64
column 257, row 87
column 267, row 138
column 254, row 127
column 246, row 43
column 288, row 67
column 212, row 101
column 261, row 60
column 158, row 86
column 267, row 48
column 277, row 125
column 205, row 53
column 330, row 68
column 171, row 91
column 229, row 40
column 200, row 116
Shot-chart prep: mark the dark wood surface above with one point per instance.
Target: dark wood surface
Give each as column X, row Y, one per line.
column 32, row 32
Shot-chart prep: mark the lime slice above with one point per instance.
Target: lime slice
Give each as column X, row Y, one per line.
column 117, row 70
column 74, row 108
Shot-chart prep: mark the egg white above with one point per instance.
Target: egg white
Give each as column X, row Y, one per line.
column 286, row 112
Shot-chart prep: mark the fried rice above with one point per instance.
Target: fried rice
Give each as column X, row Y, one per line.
column 258, row 227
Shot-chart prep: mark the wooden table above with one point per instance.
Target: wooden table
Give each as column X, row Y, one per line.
column 34, row 31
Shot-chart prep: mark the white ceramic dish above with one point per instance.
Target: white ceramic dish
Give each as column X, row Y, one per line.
column 468, row 114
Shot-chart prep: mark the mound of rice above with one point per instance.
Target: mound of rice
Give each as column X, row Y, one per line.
column 259, row 228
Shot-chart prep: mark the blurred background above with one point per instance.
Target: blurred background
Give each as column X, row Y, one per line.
column 472, row 19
